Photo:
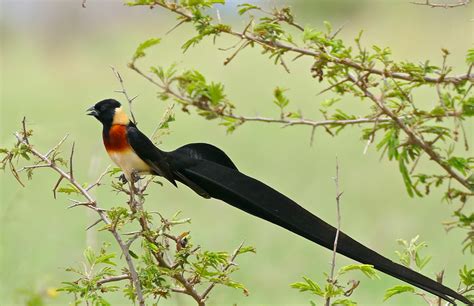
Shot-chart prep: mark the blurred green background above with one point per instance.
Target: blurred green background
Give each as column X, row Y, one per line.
column 55, row 59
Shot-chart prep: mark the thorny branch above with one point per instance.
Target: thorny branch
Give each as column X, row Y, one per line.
column 92, row 204
column 244, row 35
column 136, row 202
column 284, row 121
column 124, row 92
column 362, row 85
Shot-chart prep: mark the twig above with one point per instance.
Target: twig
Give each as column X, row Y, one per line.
column 443, row 5
column 113, row 279
column 124, row 92
column 71, row 173
column 97, row 182
column 338, row 229
column 57, row 185
column 56, row 147
column 25, row 135
column 94, row 224
column 230, row 264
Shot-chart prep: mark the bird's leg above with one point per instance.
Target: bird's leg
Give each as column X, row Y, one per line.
column 134, row 177
column 123, row 179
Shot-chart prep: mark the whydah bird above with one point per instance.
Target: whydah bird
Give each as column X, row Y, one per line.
column 211, row 173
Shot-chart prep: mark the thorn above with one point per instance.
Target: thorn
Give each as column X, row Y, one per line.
column 93, row 224
column 57, row 185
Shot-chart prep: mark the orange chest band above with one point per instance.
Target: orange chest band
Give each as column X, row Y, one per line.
column 116, row 138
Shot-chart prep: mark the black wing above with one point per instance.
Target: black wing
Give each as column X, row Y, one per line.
column 146, row 150
column 260, row 200
column 191, row 153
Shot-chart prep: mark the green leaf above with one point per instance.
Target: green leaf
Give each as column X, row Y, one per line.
column 345, row 302
column 328, row 27
column 308, row 285
column 470, row 57
column 245, row 7
column 397, row 290
column 467, row 276
column 140, row 51
column 89, row 255
column 280, row 99
column 133, row 254
column 368, row 270
column 69, row 189
column 468, row 107
column 459, row 163
column 247, row 249
column 106, row 259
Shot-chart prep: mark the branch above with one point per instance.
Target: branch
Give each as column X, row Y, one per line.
column 409, row 132
column 103, row 216
column 113, row 279
column 443, row 5
column 136, row 207
column 124, row 92
column 230, row 264
column 272, row 45
column 285, row 121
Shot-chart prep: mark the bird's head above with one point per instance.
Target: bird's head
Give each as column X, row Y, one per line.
column 109, row 112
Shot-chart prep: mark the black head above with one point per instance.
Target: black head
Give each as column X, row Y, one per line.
column 104, row 110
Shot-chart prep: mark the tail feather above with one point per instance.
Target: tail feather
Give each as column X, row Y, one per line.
column 260, row 200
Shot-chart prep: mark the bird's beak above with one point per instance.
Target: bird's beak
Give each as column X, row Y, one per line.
column 92, row 111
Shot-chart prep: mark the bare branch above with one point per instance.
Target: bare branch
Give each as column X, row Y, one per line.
column 56, row 147
column 113, row 279
column 443, row 5
column 338, row 229
column 124, row 92
column 98, row 181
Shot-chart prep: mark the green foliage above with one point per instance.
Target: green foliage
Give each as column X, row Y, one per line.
column 68, row 189
column 398, row 290
column 334, row 61
column 367, row 270
column 97, row 267
column 410, row 255
column 333, row 288
column 467, row 276
column 140, row 51
column 280, row 99
column 308, row 286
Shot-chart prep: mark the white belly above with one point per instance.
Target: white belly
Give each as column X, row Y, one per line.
column 129, row 162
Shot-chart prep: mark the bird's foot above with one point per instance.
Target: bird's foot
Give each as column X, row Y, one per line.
column 123, row 179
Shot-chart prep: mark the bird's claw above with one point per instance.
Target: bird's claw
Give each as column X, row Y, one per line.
column 123, row 179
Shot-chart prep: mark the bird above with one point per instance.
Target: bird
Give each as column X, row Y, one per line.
column 209, row 172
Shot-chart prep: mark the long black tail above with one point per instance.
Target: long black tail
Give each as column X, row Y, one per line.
column 258, row 199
